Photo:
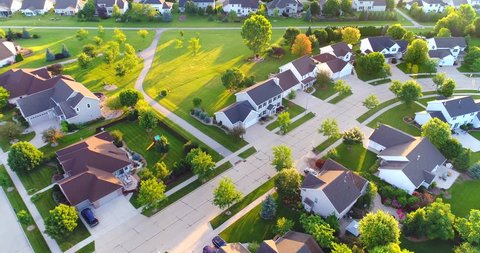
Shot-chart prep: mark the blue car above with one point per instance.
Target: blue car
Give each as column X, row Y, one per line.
column 88, row 216
column 218, row 241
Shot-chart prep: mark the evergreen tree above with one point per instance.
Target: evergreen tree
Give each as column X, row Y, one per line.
column 25, row 34
column 65, row 51
column 269, row 208
column 49, row 55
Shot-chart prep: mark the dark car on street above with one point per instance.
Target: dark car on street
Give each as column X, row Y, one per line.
column 209, row 249
column 218, row 241
column 89, row 217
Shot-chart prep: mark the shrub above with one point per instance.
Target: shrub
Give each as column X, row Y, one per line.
column 18, row 57
column 332, row 153
column 163, row 93
column 292, row 95
column 132, row 115
column 187, row 147
column 475, row 171
column 55, row 69
column 276, row 51
column 24, row 218
column 353, row 136
column 117, row 136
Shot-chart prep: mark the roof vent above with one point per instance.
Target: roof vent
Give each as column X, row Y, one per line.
column 418, row 157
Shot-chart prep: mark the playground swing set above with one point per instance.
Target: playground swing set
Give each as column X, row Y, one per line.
column 156, row 139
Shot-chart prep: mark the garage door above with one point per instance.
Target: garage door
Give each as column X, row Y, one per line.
column 38, row 118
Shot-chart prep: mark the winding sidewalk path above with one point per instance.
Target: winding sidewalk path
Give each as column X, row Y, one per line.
column 148, row 56
column 415, row 23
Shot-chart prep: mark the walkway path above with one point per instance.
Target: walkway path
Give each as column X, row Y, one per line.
column 415, row 23
column 148, row 56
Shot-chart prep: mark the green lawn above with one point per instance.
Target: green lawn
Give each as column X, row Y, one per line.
column 35, row 237
column 44, row 204
column 371, row 112
column 250, row 151
column 339, row 98
column 5, row 144
column 300, row 121
column 89, row 248
column 394, row 117
column 251, row 227
column 38, row 178
column 475, row 134
column 190, row 21
column 324, row 92
column 324, row 145
column 463, row 198
column 437, row 246
column 379, row 82
column 367, row 77
column 355, row 157
column 54, row 38
column 292, row 108
column 412, row 70
column 188, row 76
column 249, row 198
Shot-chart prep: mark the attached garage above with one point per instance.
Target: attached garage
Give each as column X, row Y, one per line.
column 237, row 114
column 38, row 118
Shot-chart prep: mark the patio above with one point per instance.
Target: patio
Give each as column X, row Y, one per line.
column 445, row 176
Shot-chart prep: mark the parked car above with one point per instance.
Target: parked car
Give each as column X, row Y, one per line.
column 310, row 171
column 218, row 241
column 209, row 249
column 89, row 217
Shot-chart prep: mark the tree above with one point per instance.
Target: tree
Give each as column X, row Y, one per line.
column 350, row 35
column 97, row 41
column 287, row 185
column 194, row 45
column 202, row 164
column 389, row 248
column 120, row 68
column 151, row 193
column 462, row 161
column 257, row 33
column 49, row 56
column 414, row 223
column 329, row 128
column 10, row 130
column 167, row 17
column 269, row 208
column 147, row 119
column 65, row 51
column 101, row 31
column 409, row 36
column 451, row 149
column 162, row 145
column 342, row 87
column 90, row 50
column 88, row 10
column 371, row 101
column 237, row 132
column 417, row 52
column 117, row 136
column 61, row 221
column 142, row 33
column 129, row 97
column 466, row 248
column 161, row 171
column 447, row 88
column 444, row 32
column 233, row 79
column 469, row 227
column 474, row 171
column 439, row 79
column 332, row 8
column 116, row 13
column 81, row 34
column 4, row 95
column 353, row 136
column 282, row 157
column 437, row 131
column 23, row 156
column 321, row 35
column 52, row 135
column 315, row 8
column 24, row 217
column 346, row 6
column 319, row 229
column 372, row 63
column 308, row 15
column 119, row 36
column 284, row 122
column 439, row 221
column 283, row 225
column 390, row 5
column 226, row 194
column 378, row 229
column 407, row 92
column 84, row 60
column 290, row 35
column 111, row 52
column 197, row 102
column 396, row 31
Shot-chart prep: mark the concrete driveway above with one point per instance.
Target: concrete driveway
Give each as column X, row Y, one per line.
column 39, row 128
column 14, row 240
column 468, row 141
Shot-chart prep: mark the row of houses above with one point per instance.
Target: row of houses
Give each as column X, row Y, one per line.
column 438, row 6
column 264, row 98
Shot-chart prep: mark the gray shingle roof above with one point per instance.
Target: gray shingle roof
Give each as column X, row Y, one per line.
column 341, row 49
column 33, row 4
column 263, row 91
column 434, row 2
column 287, row 79
column 238, row 111
column 450, row 42
column 36, row 103
column 336, row 65
column 5, row 52
column 304, row 65
column 281, row 3
column 381, row 42
column 379, row 3
column 403, row 45
column 253, row 4
column 460, row 106
column 388, row 136
column 439, row 53
column 323, row 57
column 438, row 115
column 64, row 4
column 182, row 3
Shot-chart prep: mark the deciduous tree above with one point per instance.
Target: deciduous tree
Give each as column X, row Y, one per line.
column 226, row 194
column 350, row 35
column 147, row 119
column 10, row 130
column 332, row 8
column 129, row 97
column 61, row 221
column 142, row 33
column 83, row 60
column 329, row 128
column 319, row 229
column 408, row 92
column 444, row 32
column 378, row 229
column 4, row 95
column 202, row 164
column 151, row 193
column 282, row 157
column 194, row 45
column 111, row 52
column 447, row 88
column 287, row 185
column 439, row 221
column 257, row 33
column 81, row 34
column 290, row 35
column 417, row 52
column 52, row 135
column 302, row 45
column 284, row 122
column 371, row 101
column 469, row 227
column 396, row 31
column 283, row 225
column 437, row 131
column 23, row 156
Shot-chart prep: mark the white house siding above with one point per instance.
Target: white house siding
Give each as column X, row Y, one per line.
column 16, row 5
column 397, row 178
column 241, row 11
column 432, row 7
column 243, row 96
column 205, row 5
column 454, row 122
column 476, row 122
column 322, row 205
column 375, row 147
column 446, row 61
column 249, row 121
column 85, row 114
column 297, row 87
column 107, row 198
column 66, row 12
column 393, row 158
column 221, row 117
column 422, row 117
column 7, row 61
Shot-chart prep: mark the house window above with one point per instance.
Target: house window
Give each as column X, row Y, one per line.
column 455, row 50
column 78, row 109
column 270, row 101
column 88, row 105
column 454, row 118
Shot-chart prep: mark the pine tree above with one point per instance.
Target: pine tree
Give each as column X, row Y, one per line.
column 25, row 34
column 269, row 208
column 49, row 55
column 65, row 51
column 309, row 31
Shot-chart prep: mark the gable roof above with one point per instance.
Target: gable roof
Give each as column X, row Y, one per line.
column 182, row 3
column 20, row 82
column 341, row 49
column 253, row 4
column 33, row 4
column 379, row 3
column 233, row 248
column 450, row 42
column 263, row 91
column 341, row 186
column 238, row 111
column 324, row 57
column 336, row 65
column 287, row 79
column 5, row 52
column 439, row 53
column 90, row 165
column 388, row 136
column 304, row 65
column 65, row 4
column 403, row 45
column 460, row 105
column 381, row 42
column 282, row 3
column 111, row 3
column 296, row 242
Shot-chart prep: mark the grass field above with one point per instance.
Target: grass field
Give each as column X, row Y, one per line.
column 325, row 144
column 38, row 178
column 355, row 157
column 188, row 76
column 371, row 112
column 35, row 237
column 245, row 154
column 293, row 110
column 5, row 144
column 394, row 117
column 413, row 69
column 54, row 38
column 324, row 92
column 44, row 204
column 462, row 199
column 437, row 246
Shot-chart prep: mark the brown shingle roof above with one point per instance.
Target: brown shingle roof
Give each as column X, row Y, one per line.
column 21, row 82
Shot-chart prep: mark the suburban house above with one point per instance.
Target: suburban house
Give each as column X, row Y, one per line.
column 161, row 6
column 95, row 171
column 456, row 111
column 369, row 5
column 8, row 7
column 406, row 162
column 241, row 7
column 304, row 69
column 447, row 50
column 284, row 7
column 340, row 50
column 203, row 4
column 8, row 51
column 259, row 100
column 107, row 5
column 428, row 6
column 68, row 7
column 386, row 45
column 36, row 7
column 66, row 100
column 333, row 191
column 24, row 82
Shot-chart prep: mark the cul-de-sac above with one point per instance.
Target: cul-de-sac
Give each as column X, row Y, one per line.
column 240, row 126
